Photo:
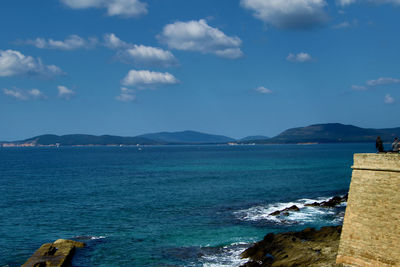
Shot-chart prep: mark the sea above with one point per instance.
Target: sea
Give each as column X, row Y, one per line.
column 165, row 205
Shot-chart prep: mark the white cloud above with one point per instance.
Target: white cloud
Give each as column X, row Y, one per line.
column 24, row 94
column 124, row 8
column 126, row 95
column 394, row 2
column 148, row 79
column 229, row 53
column 358, row 87
column 15, row 93
column 199, row 36
column 36, row 93
column 345, row 24
column 288, row 14
column 147, row 55
column 382, row 81
column 64, row 92
column 72, row 42
column 389, row 99
column 344, row 3
column 377, row 82
column 300, row 57
column 14, row 63
column 263, row 90
column 139, row 54
column 113, row 42
column 342, row 25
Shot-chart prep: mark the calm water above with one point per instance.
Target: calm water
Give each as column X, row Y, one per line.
column 164, row 206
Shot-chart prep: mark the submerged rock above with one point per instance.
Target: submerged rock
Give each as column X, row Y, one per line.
column 309, row 247
column 56, row 254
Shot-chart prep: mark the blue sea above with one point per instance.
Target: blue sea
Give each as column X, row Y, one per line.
column 165, row 205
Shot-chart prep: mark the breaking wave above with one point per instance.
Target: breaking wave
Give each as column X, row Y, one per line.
column 225, row 256
column 305, row 215
column 89, row 237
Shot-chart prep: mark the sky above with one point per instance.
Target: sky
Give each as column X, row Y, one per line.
column 230, row 67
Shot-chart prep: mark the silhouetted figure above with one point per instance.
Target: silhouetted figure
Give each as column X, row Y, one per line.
column 396, row 145
column 379, row 144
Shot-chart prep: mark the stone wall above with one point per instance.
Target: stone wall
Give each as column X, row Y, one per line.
column 371, row 227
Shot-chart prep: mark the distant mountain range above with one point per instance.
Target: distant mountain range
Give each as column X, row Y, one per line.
column 318, row 133
column 163, row 138
column 186, row 137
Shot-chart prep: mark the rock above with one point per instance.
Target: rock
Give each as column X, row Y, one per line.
column 275, row 213
column 314, row 204
column 56, row 254
column 292, row 208
column 333, row 202
column 309, row 247
column 285, row 212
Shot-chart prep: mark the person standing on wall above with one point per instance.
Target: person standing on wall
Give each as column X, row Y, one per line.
column 379, row 144
column 396, row 145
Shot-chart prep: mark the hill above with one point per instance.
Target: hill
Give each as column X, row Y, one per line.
column 332, row 133
column 186, row 137
column 164, row 138
column 317, row 133
column 84, row 139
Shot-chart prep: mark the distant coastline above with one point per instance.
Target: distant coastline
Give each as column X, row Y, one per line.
column 309, row 135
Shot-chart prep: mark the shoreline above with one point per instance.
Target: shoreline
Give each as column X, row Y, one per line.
column 309, row 247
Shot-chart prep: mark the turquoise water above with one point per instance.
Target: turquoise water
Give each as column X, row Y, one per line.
column 167, row 205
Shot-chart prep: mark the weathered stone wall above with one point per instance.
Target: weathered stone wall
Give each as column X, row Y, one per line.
column 371, row 227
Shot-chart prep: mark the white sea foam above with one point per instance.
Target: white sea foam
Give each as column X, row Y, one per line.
column 97, row 237
column 91, row 237
column 227, row 256
column 305, row 215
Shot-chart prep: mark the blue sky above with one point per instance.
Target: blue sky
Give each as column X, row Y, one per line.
column 232, row 67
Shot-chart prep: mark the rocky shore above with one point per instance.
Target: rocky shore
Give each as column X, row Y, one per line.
column 331, row 203
column 309, row 247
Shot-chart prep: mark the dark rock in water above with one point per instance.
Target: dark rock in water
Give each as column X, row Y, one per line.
column 275, row 213
column 285, row 212
column 292, row 208
column 55, row 254
column 333, row 202
column 309, row 247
